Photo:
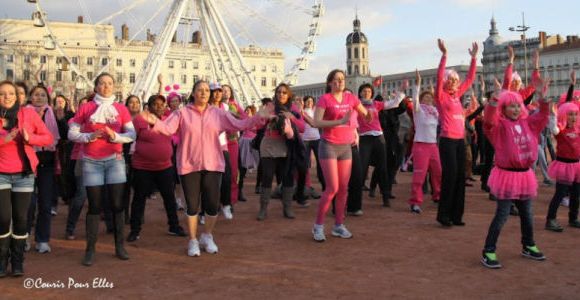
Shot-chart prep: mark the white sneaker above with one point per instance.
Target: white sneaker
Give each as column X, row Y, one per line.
column 565, row 201
column 42, row 248
column 206, row 243
column 179, row 203
column 193, row 248
column 227, row 211
column 318, row 233
column 202, row 220
column 341, row 231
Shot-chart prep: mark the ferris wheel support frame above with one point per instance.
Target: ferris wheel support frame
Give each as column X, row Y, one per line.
column 156, row 57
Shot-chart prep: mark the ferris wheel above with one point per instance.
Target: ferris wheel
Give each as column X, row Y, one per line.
column 225, row 26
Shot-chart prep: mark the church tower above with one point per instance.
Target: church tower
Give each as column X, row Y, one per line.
column 357, row 57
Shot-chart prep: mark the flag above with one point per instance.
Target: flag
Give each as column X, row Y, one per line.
column 378, row 81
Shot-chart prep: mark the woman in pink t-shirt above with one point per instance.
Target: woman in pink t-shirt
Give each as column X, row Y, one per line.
column 102, row 126
column 333, row 115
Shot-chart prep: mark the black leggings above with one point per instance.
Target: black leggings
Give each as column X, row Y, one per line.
column 202, row 182
column 14, row 209
column 275, row 165
column 562, row 190
column 114, row 197
column 452, row 202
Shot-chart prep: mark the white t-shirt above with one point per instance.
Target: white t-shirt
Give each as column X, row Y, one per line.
column 426, row 119
column 310, row 133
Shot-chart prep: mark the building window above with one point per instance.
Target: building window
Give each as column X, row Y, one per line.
column 207, row 66
column 10, row 58
column 184, row 64
column 196, row 65
column 10, row 74
column 27, row 59
column 43, row 59
column 89, row 75
column 263, row 81
column 119, row 96
column 195, row 78
column 364, row 52
column 43, row 76
column 119, row 78
column 170, row 64
column 264, row 68
column 75, row 60
column 253, row 68
column 119, row 62
column 26, row 74
column 132, row 78
column 104, row 61
column 348, row 55
column 274, row 69
column 171, row 78
column 356, row 69
column 355, row 52
column 183, row 79
column 59, row 75
column 132, row 63
column 274, row 82
column 364, row 69
column 349, row 70
column 89, row 61
column 73, row 76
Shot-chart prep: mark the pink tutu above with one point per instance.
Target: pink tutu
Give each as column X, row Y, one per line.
column 509, row 185
column 566, row 173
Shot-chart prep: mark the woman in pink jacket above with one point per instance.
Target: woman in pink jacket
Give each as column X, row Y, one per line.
column 200, row 161
column 514, row 136
column 448, row 94
column 21, row 129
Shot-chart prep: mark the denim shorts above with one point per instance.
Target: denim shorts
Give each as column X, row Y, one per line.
column 17, row 183
column 105, row 171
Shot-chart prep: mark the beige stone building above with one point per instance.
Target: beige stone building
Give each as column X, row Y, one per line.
column 90, row 49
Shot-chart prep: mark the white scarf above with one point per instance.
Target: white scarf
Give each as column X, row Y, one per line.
column 106, row 112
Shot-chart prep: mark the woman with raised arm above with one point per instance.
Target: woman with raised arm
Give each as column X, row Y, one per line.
column 21, row 129
column 200, row 161
column 448, row 94
column 102, row 126
column 333, row 115
column 512, row 81
column 425, row 151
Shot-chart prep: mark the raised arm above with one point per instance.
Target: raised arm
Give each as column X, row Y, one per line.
column 538, row 121
column 466, row 84
column 416, row 91
column 440, row 70
column 507, row 74
column 160, row 81
column 394, row 102
column 572, row 84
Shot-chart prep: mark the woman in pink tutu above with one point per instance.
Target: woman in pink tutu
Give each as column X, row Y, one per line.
column 514, row 136
column 566, row 168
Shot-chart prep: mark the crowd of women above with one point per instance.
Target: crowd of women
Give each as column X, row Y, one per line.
column 200, row 148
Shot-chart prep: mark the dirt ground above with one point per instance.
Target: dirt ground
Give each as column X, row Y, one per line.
column 394, row 254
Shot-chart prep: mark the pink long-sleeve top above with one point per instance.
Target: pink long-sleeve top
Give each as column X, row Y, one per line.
column 10, row 159
column 525, row 92
column 200, row 149
column 515, row 141
column 153, row 150
column 449, row 105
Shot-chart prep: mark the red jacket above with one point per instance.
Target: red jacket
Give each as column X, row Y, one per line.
column 38, row 135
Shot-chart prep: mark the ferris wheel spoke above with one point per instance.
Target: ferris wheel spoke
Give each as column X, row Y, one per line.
column 273, row 27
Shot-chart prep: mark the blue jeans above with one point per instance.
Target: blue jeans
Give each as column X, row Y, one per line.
column 502, row 214
column 105, row 171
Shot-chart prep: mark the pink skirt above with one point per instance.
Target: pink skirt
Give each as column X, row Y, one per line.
column 509, row 185
column 566, row 173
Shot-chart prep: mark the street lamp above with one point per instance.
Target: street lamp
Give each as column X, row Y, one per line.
column 523, row 28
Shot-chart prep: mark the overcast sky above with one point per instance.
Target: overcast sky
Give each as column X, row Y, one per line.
column 402, row 33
